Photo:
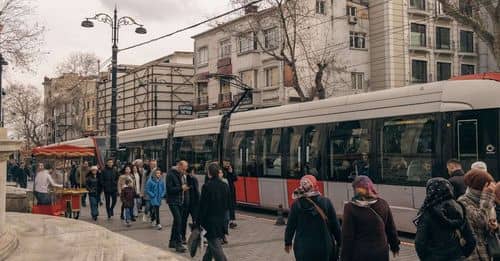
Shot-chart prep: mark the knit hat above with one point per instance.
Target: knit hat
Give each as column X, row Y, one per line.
column 477, row 179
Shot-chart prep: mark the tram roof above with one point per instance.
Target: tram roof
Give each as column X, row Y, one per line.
column 158, row 132
column 82, row 142
column 202, row 126
column 415, row 99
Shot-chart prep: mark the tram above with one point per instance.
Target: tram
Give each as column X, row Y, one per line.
column 399, row 137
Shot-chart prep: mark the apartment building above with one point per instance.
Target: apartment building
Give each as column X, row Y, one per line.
column 238, row 48
column 148, row 94
column 69, row 107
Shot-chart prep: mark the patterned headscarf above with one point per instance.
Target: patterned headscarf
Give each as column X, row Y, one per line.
column 437, row 191
column 364, row 184
column 308, row 187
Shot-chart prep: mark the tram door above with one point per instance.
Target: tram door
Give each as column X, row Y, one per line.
column 467, row 143
column 244, row 159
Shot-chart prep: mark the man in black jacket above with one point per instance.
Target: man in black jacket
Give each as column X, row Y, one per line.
column 191, row 200
column 231, row 179
column 456, row 177
column 175, row 200
column 108, row 181
column 213, row 207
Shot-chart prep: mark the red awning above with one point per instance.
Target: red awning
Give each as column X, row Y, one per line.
column 60, row 151
column 495, row 76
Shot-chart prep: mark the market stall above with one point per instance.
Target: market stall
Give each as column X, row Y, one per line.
column 64, row 201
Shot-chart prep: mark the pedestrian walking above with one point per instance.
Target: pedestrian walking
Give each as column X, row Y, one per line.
column 456, row 177
column 191, row 202
column 312, row 224
column 231, row 177
column 126, row 174
column 368, row 229
column 94, row 189
column 213, row 207
column 155, row 188
column 443, row 232
column 109, row 184
column 175, row 197
column 81, row 177
column 127, row 196
column 137, row 187
column 226, row 216
column 22, row 175
column 478, row 200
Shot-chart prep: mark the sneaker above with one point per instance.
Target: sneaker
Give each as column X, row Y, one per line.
column 153, row 224
column 159, row 227
column 144, row 218
column 127, row 223
column 232, row 225
column 180, row 249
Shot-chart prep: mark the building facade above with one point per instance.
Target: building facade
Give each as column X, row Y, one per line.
column 69, row 107
column 147, row 95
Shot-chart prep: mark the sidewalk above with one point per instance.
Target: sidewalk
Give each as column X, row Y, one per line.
column 254, row 238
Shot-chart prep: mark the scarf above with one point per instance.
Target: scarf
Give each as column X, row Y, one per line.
column 438, row 190
column 474, row 195
column 308, row 187
column 364, row 191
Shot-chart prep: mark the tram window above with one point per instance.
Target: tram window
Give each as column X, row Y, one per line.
column 312, row 151
column 271, row 154
column 237, row 151
column 183, row 149
column 205, row 151
column 295, row 151
column 407, row 150
column 349, row 151
column 252, row 166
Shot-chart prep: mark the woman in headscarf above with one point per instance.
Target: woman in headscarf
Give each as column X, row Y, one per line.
column 312, row 224
column 443, row 232
column 368, row 229
column 478, row 200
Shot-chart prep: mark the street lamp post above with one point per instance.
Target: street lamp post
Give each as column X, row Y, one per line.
column 2, row 63
column 115, row 24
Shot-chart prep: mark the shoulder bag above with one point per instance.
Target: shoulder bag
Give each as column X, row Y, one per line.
column 493, row 244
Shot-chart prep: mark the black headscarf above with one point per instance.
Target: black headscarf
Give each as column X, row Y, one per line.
column 438, row 190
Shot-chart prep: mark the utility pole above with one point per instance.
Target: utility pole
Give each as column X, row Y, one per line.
column 2, row 63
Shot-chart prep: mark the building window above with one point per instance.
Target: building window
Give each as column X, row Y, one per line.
column 418, row 71
column 351, row 11
column 320, row 7
column 443, row 71
column 466, row 41
column 225, row 85
column 225, row 48
column 418, row 35
column 93, row 104
column 439, row 8
column 272, row 76
column 465, row 7
column 202, row 56
column 357, row 81
column 248, row 42
column 357, row 40
column 442, row 38
column 247, row 77
column 88, row 105
column 417, row 4
column 466, row 69
column 271, row 38
column 88, row 121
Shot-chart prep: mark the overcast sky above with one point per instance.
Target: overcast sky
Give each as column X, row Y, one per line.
column 64, row 34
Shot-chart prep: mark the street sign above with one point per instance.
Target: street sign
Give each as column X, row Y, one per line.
column 186, row 109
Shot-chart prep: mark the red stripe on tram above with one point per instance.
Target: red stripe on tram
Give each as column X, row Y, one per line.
column 252, row 190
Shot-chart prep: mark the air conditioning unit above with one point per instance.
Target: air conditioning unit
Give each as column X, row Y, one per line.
column 353, row 19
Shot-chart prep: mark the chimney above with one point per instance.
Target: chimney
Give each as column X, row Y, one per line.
column 251, row 9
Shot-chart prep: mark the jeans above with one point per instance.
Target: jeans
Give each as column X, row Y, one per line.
column 214, row 250
column 175, row 236
column 226, row 223
column 186, row 211
column 155, row 214
column 94, row 205
column 110, row 198
column 137, row 205
column 84, row 199
column 147, row 206
column 43, row 198
column 128, row 214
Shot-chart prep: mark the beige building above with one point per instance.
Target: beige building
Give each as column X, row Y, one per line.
column 147, row 95
column 69, row 107
column 237, row 48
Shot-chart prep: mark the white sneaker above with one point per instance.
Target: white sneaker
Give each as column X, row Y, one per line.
column 159, row 227
column 153, row 224
column 144, row 218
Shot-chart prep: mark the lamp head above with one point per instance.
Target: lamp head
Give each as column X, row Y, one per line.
column 87, row 23
column 141, row 30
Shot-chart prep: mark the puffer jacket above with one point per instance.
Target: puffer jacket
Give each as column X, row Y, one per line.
column 437, row 237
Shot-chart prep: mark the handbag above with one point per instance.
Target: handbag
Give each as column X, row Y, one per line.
column 320, row 211
column 493, row 245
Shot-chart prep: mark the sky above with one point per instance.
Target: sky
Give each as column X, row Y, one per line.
column 64, row 34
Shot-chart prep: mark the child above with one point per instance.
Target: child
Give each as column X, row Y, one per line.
column 155, row 188
column 127, row 196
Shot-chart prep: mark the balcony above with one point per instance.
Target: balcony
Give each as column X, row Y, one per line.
column 225, row 100
column 417, row 47
column 200, row 103
column 418, row 11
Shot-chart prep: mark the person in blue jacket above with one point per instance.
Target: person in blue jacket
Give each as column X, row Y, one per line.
column 155, row 188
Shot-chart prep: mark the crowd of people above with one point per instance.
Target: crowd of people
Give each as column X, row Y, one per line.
column 18, row 172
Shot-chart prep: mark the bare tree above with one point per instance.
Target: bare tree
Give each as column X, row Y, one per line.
column 81, row 63
column 19, row 38
column 483, row 16
column 24, row 113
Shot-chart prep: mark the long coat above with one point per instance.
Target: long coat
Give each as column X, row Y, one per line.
column 213, row 207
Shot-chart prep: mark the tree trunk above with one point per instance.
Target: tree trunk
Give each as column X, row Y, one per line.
column 296, row 84
column 318, row 80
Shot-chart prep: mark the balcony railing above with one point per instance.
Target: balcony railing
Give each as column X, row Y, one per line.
column 225, row 100
column 200, row 103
